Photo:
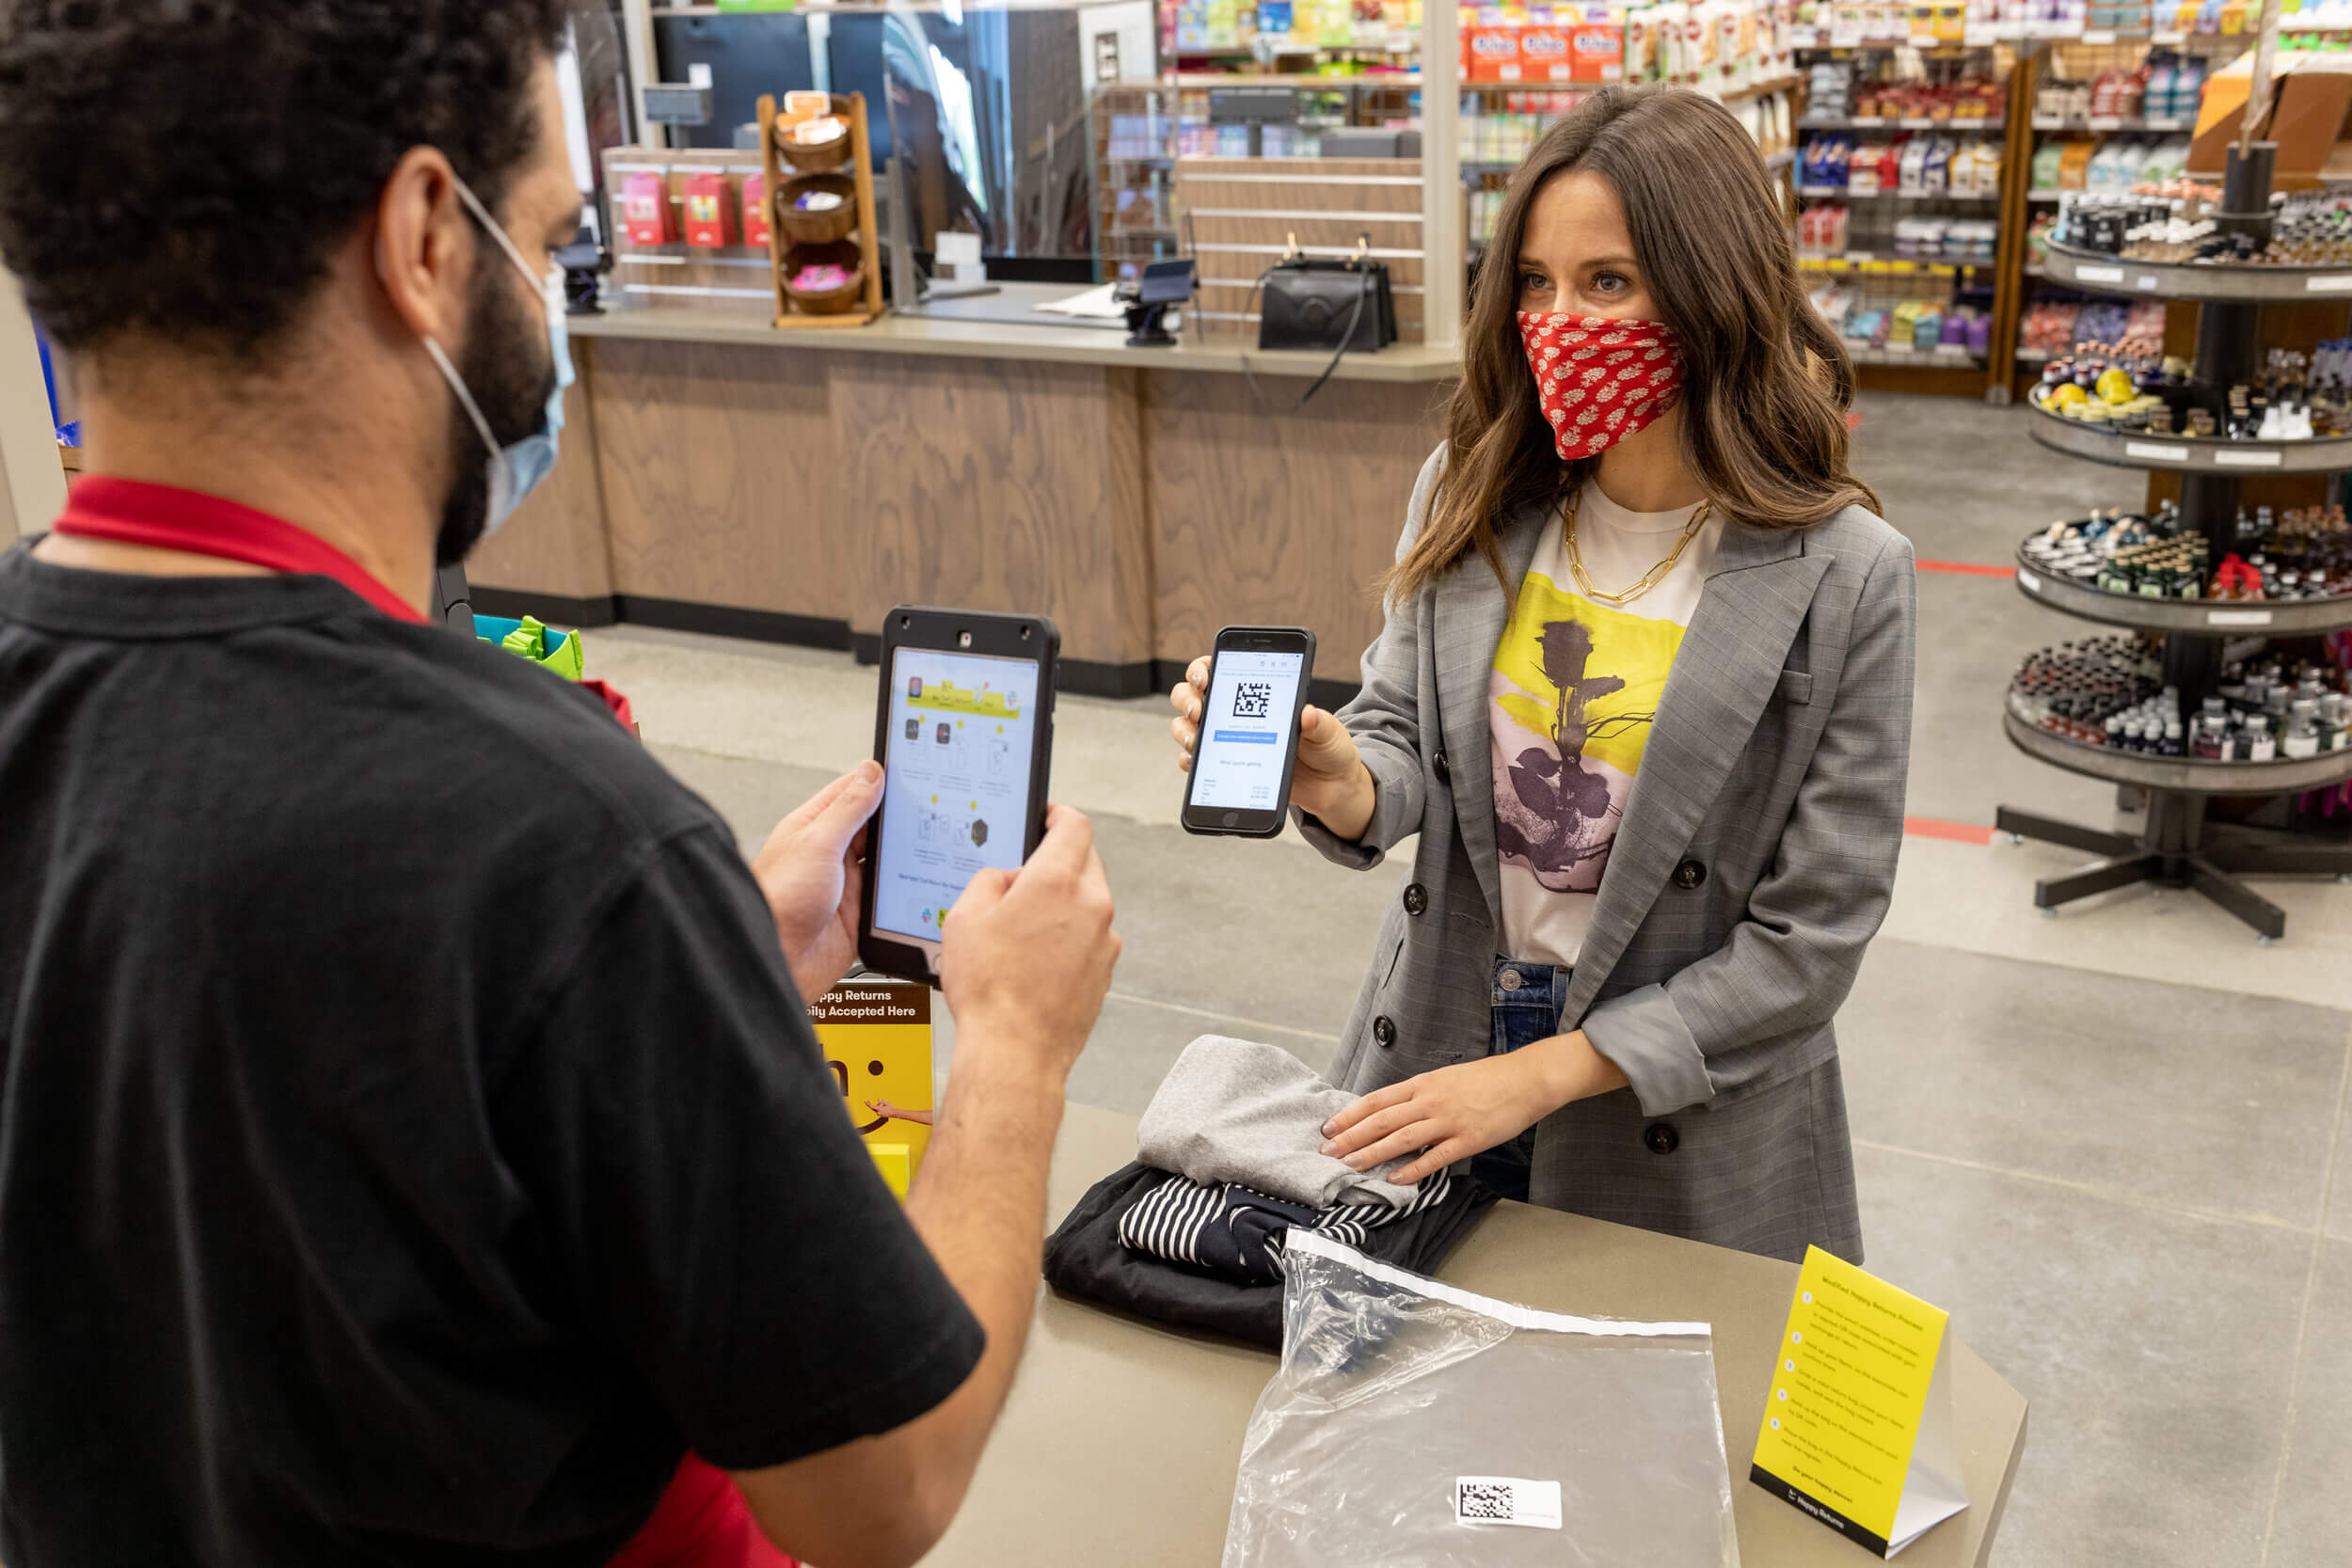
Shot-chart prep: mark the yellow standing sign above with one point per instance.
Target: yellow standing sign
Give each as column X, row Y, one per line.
column 877, row 1039
column 1857, row 1429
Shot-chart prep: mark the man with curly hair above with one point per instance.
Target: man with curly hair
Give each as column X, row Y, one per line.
column 413, row 1149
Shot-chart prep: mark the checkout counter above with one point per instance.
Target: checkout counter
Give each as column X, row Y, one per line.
column 1168, row 1408
column 719, row 475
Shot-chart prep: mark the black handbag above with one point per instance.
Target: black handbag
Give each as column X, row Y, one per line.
column 1340, row 304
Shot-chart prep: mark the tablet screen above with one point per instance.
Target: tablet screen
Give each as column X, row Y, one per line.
column 956, row 785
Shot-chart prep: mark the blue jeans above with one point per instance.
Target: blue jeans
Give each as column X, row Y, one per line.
column 1526, row 1002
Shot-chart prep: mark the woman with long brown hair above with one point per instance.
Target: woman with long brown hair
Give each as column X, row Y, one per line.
column 1644, row 694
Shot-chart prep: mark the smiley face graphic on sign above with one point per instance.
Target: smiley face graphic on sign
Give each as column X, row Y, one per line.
column 877, row 1039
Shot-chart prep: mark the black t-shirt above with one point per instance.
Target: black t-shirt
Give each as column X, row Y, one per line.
column 410, row 1140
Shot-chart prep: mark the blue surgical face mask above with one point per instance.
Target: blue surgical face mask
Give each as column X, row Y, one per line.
column 516, row 470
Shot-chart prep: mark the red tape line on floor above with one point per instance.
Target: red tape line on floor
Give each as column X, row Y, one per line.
column 1966, row 568
column 1959, row 833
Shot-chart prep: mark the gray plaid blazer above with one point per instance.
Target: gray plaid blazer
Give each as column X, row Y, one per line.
column 1753, row 866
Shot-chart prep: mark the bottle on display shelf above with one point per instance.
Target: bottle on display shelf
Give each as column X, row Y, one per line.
column 2300, row 553
column 2105, row 693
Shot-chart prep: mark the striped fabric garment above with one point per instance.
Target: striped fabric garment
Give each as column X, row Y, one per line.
column 1232, row 1229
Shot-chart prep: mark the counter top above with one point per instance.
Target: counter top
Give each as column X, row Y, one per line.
column 1121, row 1439
column 1000, row 326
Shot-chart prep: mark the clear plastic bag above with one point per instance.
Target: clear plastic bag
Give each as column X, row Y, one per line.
column 1415, row 1424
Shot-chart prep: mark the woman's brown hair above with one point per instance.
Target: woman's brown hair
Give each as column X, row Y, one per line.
column 1766, row 386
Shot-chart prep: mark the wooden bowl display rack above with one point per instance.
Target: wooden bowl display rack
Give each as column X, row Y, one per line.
column 865, row 302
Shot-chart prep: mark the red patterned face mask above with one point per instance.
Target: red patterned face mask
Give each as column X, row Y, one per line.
column 1600, row 380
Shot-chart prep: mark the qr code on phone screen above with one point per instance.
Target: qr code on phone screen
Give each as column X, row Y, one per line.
column 1484, row 1499
column 1253, row 699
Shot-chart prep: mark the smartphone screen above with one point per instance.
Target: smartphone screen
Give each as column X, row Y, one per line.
column 956, row 781
column 1242, row 754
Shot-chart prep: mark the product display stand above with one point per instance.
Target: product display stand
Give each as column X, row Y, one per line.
column 850, row 307
column 2174, row 846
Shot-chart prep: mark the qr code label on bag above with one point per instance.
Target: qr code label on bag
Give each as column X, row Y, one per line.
column 1506, row 1500
column 1253, row 699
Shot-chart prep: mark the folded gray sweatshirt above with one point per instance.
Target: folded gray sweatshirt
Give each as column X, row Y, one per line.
column 1237, row 1111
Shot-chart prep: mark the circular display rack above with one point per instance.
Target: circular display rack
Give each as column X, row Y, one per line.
column 2191, row 774
column 2190, row 280
column 2192, row 617
column 2188, row 455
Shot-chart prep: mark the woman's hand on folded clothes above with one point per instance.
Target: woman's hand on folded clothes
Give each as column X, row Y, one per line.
column 1456, row 1112
column 1329, row 781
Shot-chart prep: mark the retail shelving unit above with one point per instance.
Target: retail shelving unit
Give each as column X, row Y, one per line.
column 2189, row 455
column 2174, row 846
column 2049, row 66
column 1134, row 194
column 1939, row 370
column 2187, row 280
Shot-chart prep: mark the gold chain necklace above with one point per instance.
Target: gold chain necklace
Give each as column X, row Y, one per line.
column 1651, row 578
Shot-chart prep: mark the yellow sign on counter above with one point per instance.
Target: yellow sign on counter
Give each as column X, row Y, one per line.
column 1857, row 1430
column 877, row 1039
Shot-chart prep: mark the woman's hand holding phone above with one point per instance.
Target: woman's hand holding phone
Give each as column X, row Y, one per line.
column 1328, row 780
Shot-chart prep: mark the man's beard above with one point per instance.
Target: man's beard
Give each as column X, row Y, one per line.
column 508, row 366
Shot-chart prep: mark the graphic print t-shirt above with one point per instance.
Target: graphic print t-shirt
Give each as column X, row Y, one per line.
column 1575, row 687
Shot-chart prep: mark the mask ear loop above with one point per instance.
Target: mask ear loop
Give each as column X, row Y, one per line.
column 464, row 398
column 440, row 358
column 432, row 347
column 491, row 227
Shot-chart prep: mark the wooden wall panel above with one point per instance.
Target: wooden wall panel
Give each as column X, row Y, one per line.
column 722, row 480
column 999, row 484
column 1283, row 518
column 555, row 542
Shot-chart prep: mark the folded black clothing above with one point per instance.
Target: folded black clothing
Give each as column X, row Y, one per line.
column 1084, row 1259
column 1232, row 1229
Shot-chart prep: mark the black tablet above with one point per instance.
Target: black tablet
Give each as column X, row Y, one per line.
column 964, row 732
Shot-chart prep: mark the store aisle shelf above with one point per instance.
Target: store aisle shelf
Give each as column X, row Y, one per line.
column 1866, row 262
column 1841, row 193
column 1887, row 45
column 1986, row 127
column 1913, row 357
column 2113, row 122
column 2113, row 274
column 2191, row 617
column 2320, row 455
column 1316, row 81
column 2192, row 775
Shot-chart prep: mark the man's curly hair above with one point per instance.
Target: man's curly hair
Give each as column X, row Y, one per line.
column 182, row 169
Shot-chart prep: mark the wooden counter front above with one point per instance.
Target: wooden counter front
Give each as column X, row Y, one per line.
column 720, row 481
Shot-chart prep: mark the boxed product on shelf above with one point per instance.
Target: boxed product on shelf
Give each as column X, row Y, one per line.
column 1972, row 241
column 1720, row 46
column 645, row 210
column 1833, row 302
column 1829, row 88
column 1506, row 124
column 1492, row 55
column 710, row 211
column 755, row 222
column 1822, row 229
column 1873, row 167
column 2048, row 327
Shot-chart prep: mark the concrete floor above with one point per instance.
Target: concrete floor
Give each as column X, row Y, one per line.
column 2110, row 1142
